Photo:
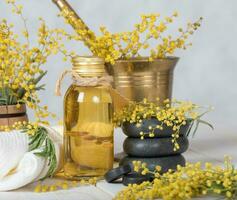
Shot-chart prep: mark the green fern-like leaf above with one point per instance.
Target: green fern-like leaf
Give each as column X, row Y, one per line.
column 40, row 140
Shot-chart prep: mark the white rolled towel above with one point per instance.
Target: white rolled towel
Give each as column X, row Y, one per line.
column 58, row 141
column 13, row 146
column 28, row 169
column 18, row 167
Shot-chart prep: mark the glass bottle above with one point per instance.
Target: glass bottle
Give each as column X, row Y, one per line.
column 88, row 128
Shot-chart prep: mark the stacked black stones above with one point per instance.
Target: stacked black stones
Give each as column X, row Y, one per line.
column 158, row 150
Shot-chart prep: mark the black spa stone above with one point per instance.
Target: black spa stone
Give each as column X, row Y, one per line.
column 154, row 147
column 131, row 130
column 116, row 173
column 166, row 162
column 135, row 178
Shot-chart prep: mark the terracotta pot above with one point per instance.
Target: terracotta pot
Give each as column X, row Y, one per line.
column 10, row 114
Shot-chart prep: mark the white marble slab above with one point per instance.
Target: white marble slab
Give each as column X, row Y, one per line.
column 207, row 146
column 79, row 193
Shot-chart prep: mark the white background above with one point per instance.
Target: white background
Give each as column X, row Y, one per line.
column 205, row 74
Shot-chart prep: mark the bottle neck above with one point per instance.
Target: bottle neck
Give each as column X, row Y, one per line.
column 88, row 66
column 89, row 71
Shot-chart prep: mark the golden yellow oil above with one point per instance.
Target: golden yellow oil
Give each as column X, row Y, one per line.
column 88, row 132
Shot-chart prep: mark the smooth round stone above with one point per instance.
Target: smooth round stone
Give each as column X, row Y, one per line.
column 166, row 163
column 135, row 178
column 131, row 130
column 116, row 173
column 154, row 147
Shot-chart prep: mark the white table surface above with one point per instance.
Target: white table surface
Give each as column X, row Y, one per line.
column 206, row 147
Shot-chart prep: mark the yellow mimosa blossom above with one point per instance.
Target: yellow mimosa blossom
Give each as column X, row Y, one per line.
column 21, row 63
column 170, row 113
column 192, row 180
column 124, row 45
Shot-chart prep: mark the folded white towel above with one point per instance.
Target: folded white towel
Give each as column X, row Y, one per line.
column 58, row 141
column 18, row 167
column 13, row 146
column 28, row 169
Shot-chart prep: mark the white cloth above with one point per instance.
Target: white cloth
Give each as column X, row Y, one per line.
column 18, row 167
column 13, row 146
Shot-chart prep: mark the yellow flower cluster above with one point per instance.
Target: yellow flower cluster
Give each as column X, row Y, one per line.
column 193, row 180
column 63, row 185
column 20, row 63
column 83, row 33
column 171, row 113
column 29, row 127
column 125, row 45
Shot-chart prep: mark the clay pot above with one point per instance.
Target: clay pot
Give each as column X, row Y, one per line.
column 10, row 114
